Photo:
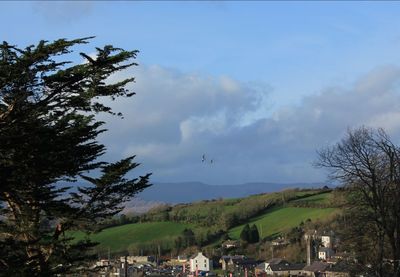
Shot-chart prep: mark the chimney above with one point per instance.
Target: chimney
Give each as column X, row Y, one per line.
column 308, row 245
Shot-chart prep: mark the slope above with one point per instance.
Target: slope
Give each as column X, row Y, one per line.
column 282, row 218
column 121, row 237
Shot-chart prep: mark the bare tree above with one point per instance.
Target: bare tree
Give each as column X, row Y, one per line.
column 367, row 162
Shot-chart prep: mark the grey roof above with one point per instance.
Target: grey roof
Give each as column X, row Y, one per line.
column 195, row 255
column 236, row 257
column 276, row 261
column 316, row 267
column 261, row 266
column 286, row 267
column 342, row 266
column 245, row 262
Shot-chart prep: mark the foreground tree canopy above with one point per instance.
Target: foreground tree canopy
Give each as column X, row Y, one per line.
column 367, row 162
column 52, row 178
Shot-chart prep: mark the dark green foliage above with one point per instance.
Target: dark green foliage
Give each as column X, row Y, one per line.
column 250, row 234
column 188, row 237
column 295, row 234
column 51, row 173
column 245, row 234
column 225, row 236
column 254, row 235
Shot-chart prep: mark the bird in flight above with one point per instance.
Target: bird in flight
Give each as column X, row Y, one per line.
column 203, row 159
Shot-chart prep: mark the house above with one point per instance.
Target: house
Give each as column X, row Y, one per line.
column 245, row 264
column 337, row 270
column 316, row 269
column 326, row 241
column 104, row 267
column 279, row 242
column 285, row 269
column 228, row 262
column 137, row 259
column 229, row 244
column 273, row 261
column 325, row 253
column 260, row 270
column 103, row 263
column 199, row 262
column 344, row 269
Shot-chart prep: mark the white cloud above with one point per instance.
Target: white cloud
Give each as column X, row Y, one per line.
column 176, row 117
column 193, row 126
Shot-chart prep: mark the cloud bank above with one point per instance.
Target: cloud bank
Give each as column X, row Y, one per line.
column 177, row 117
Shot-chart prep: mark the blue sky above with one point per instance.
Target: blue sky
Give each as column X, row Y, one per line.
column 256, row 86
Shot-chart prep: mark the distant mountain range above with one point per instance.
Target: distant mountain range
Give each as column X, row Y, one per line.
column 188, row 192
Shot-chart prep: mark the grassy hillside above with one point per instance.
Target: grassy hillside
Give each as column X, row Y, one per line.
column 272, row 213
column 282, row 219
column 224, row 212
column 120, row 237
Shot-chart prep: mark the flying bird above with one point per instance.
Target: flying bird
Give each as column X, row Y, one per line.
column 203, row 159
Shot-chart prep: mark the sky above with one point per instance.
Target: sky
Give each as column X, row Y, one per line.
column 257, row 87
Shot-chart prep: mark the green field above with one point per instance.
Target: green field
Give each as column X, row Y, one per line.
column 120, row 237
column 206, row 216
column 282, row 219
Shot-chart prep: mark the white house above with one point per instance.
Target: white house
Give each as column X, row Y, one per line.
column 136, row 259
column 326, row 241
column 228, row 244
column 103, row 262
column 199, row 262
column 325, row 253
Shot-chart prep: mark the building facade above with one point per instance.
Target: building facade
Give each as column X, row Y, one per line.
column 199, row 262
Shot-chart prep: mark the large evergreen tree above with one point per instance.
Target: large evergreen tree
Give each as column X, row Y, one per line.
column 254, row 235
column 245, row 234
column 52, row 178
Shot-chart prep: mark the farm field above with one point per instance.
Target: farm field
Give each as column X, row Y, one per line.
column 120, row 237
column 282, row 219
